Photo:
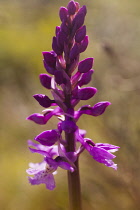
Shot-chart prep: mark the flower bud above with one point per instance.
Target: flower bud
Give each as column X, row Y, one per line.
column 43, row 100
column 63, row 12
column 45, row 80
column 47, row 138
column 86, row 93
column 85, row 65
column 80, row 34
column 83, row 44
column 68, row 126
column 37, row 118
column 71, row 8
column 86, row 78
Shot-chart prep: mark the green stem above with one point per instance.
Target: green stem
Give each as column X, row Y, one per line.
column 73, row 177
column 74, row 189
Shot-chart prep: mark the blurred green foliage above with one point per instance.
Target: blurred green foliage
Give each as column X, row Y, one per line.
column 26, row 29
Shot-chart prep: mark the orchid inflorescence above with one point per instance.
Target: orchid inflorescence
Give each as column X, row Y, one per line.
column 68, row 76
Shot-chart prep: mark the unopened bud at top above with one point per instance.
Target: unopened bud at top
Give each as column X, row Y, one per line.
column 71, row 8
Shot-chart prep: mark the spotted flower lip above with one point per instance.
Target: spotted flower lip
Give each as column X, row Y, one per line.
column 41, row 176
column 43, row 173
column 66, row 78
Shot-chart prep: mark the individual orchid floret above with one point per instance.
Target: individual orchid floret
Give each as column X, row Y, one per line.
column 79, row 18
column 85, row 65
column 44, row 118
column 48, row 138
column 80, row 34
column 86, row 78
column 38, row 118
column 86, row 93
column 71, row 8
column 45, row 80
column 42, row 175
column 44, row 172
column 44, row 100
column 49, row 61
column 83, row 45
column 101, row 152
column 74, row 52
column 95, row 111
column 63, row 13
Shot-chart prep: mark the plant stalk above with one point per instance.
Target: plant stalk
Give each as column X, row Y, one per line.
column 74, row 187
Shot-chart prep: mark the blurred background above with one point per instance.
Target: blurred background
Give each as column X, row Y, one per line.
column 26, row 29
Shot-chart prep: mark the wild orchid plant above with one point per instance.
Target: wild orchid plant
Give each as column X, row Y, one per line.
column 68, row 75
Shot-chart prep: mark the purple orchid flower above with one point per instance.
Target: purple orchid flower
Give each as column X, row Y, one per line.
column 44, row 172
column 67, row 76
column 42, row 175
column 101, row 152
